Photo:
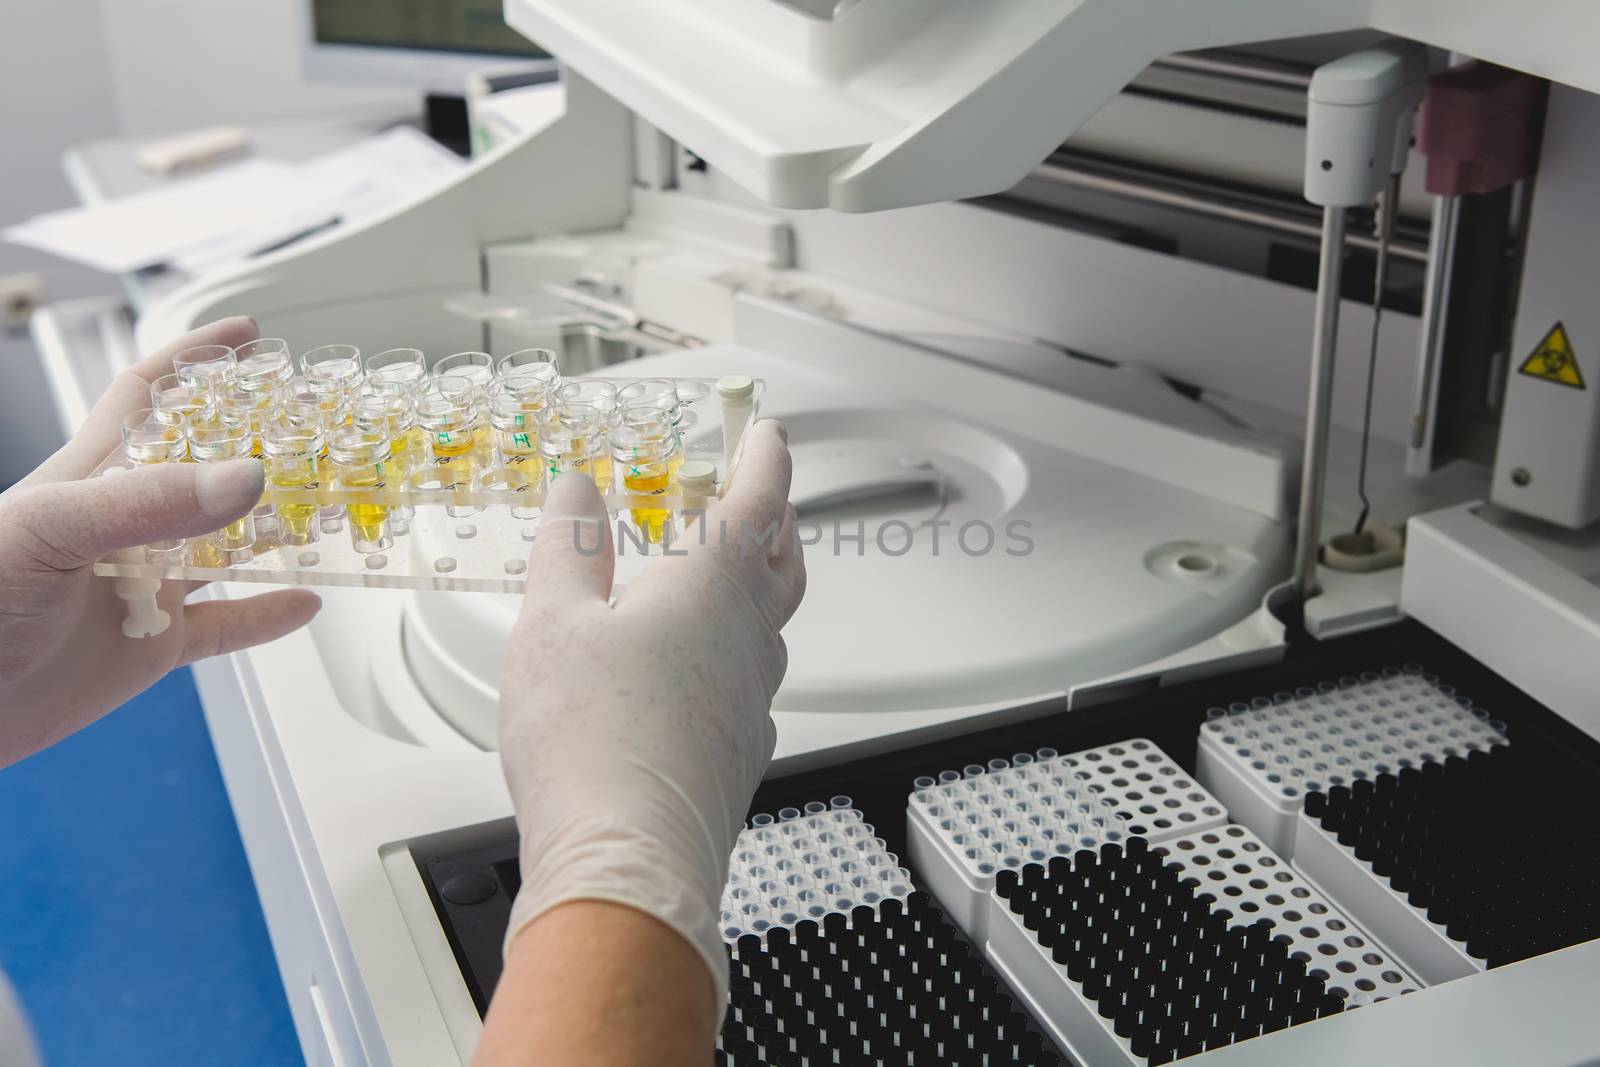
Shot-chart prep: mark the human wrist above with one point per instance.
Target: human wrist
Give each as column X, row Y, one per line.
column 648, row 854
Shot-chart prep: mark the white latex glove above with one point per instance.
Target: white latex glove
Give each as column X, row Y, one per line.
column 64, row 660
column 634, row 735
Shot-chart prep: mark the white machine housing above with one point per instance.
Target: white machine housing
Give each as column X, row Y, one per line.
column 343, row 744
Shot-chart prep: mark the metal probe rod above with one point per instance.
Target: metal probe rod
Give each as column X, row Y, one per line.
column 1319, row 402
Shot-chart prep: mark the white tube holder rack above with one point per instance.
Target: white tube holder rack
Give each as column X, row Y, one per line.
column 1262, row 758
column 1132, row 788
column 1248, row 880
column 1423, row 946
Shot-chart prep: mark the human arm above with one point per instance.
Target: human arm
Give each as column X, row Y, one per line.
column 64, row 660
column 587, row 966
column 633, row 737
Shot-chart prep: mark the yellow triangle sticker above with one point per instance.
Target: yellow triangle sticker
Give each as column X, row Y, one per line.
column 1554, row 361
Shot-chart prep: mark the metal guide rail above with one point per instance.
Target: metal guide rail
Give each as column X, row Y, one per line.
column 1127, row 942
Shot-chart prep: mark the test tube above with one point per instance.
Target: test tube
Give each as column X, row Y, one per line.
column 263, row 367
column 332, row 368
column 698, row 477
column 516, row 432
column 319, row 403
column 241, row 408
column 205, row 366
column 738, row 395
column 314, row 403
column 217, row 444
column 293, row 458
column 591, row 391
column 448, row 413
column 148, row 437
column 360, row 460
column 397, row 366
column 538, row 364
column 178, row 403
column 572, row 437
column 642, row 447
column 660, row 394
column 476, row 367
column 390, row 410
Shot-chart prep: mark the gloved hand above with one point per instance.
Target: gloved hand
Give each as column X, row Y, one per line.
column 633, row 736
column 64, row 660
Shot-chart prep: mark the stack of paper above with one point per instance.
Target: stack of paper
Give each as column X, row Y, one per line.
column 201, row 223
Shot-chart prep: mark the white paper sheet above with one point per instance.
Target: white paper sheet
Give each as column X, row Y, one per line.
column 201, row 223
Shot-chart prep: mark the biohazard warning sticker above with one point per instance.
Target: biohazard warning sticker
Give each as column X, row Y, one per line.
column 1553, row 360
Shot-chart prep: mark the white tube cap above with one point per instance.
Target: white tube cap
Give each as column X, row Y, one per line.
column 736, row 387
column 698, row 476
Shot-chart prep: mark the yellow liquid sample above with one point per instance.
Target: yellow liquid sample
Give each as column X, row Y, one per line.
column 448, row 445
column 296, row 519
column 366, row 520
column 453, row 453
column 398, row 467
column 234, row 536
column 648, row 478
column 600, row 470
column 518, row 447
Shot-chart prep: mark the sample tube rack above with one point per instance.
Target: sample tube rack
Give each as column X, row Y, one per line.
column 807, row 864
column 835, row 958
column 964, row 827
column 892, row 986
column 1126, row 963
column 1129, row 915
column 1488, row 853
column 468, row 532
column 1464, row 865
column 1239, row 876
column 1263, row 757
